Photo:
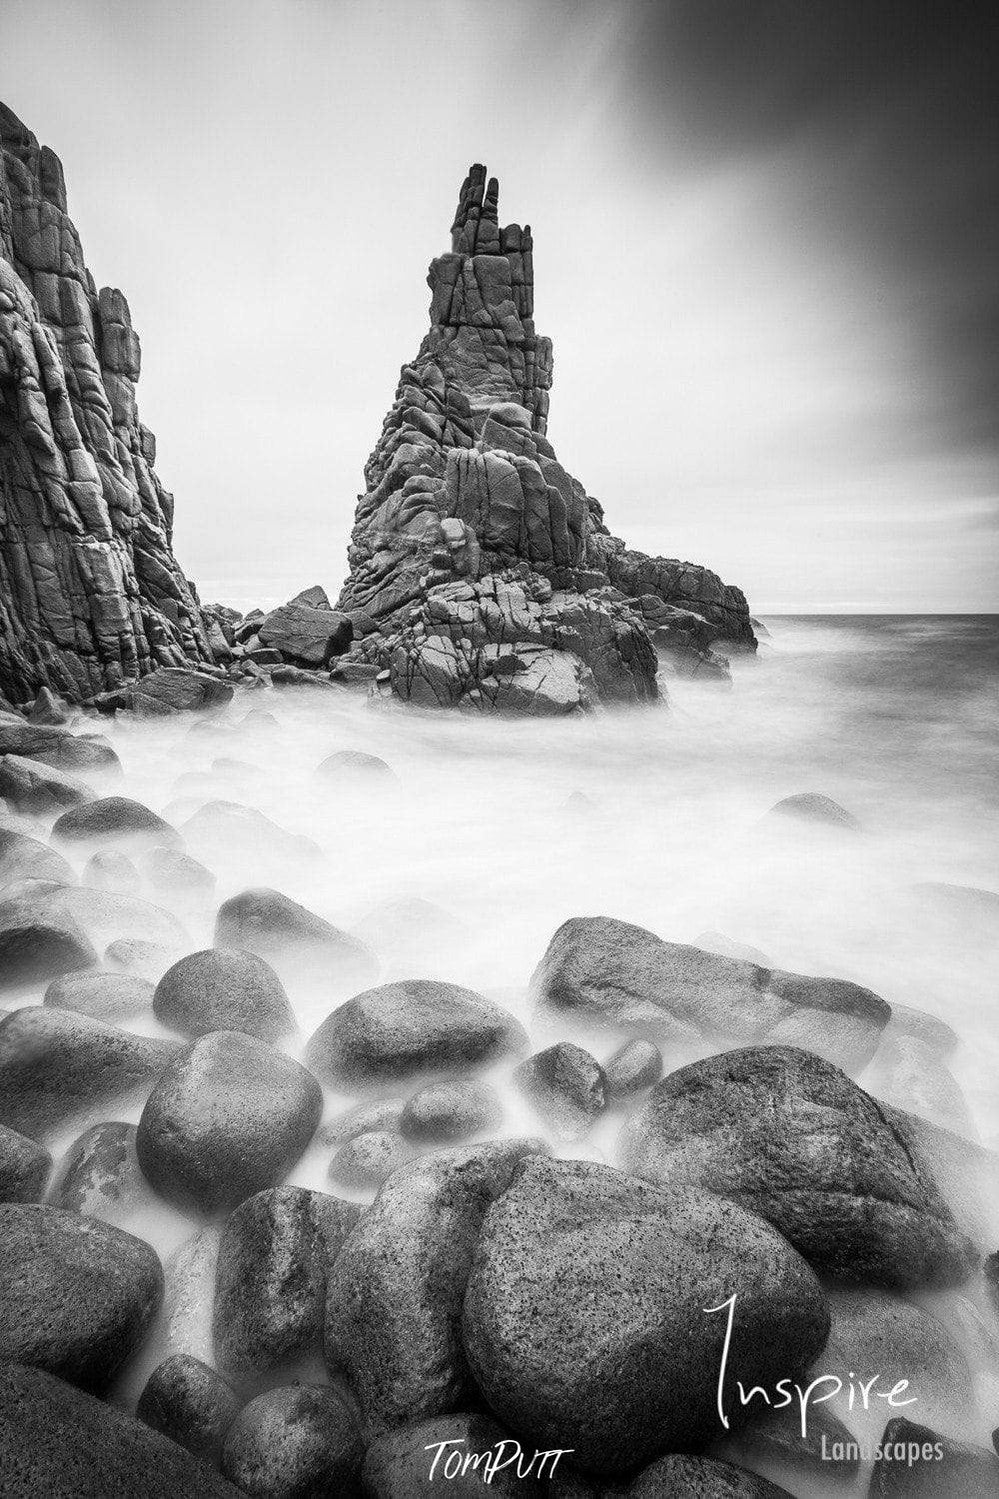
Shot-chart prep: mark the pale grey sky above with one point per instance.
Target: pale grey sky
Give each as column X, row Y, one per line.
column 766, row 359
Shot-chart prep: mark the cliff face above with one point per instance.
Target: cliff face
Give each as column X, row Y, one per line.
column 90, row 593
column 487, row 564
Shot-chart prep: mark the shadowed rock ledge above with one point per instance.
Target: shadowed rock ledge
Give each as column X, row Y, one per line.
column 481, row 572
column 90, row 594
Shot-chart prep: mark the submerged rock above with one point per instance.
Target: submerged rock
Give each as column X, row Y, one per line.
column 447, row 1112
column 103, row 996
column 100, row 1176
column 918, row 1463
column 565, row 1086
column 367, row 1159
column 790, row 1137
column 634, row 1067
column 34, row 787
column 278, row 929
column 24, row 858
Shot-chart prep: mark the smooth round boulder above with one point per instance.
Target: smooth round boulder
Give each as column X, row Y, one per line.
column 112, row 871
column 100, row 1176
column 55, row 1064
column 634, row 1067
column 790, row 1137
column 414, row 1026
column 354, row 766
column 227, row 1118
column 76, row 1295
column 403, row 1463
column 679, row 1476
column 172, row 873
column 270, row 1280
column 146, row 960
column 37, row 945
column 448, row 1112
column 103, row 996
column 189, row 1402
column 290, row 1443
column 223, row 989
column 585, row 1321
column 565, row 1086
column 24, row 858
column 116, row 819
column 24, row 1167
column 60, row 1443
column 813, row 807
column 293, row 938
column 33, row 787
column 362, row 1163
column 362, row 1119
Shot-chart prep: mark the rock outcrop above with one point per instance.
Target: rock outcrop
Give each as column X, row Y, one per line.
column 482, row 575
column 91, row 596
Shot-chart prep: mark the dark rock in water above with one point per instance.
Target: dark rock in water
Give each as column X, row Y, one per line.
column 395, row 1290
column 363, row 1162
column 295, row 1441
column 278, row 929
column 447, row 1112
column 172, row 873
column 57, row 1442
column 223, row 989
column 55, row 1065
column 32, row 786
column 581, row 1328
column 354, row 766
column 93, row 596
column 381, row 1114
column 417, row 1025
column 633, row 1067
column 103, row 996
column 790, row 1137
column 485, row 565
column 227, row 1118
column 910, row 1074
column 270, row 1284
column 115, row 818
column 36, row 946
column 100, row 1176
column 810, row 806
column 190, row 1403
column 58, row 747
column 173, row 689
column 24, row 1167
column 76, row 1295
column 601, row 971
column 23, row 858
column 306, row 633
column 398, row 1464
column 566, row 1086
column 111, row 870
column 919, row 1463
column 682, row 1477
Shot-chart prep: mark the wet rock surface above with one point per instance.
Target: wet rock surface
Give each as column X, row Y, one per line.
column 99, row 1175
column 228, row 1117
column 76, row 1295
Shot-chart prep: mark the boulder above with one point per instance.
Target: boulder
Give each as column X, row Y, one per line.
column 173, row 873
column 565, row 1086
column 145, row 960
column 291, row 937
column 915, row 1462
column 306, row 634
column 585, row 1321
column 448, row 1112
column 299, row 1440
column 813, row 807
column 380, row 1114
column 59, row 1442
column 76, row 1295
column 102, row 914
column 222, row 830
column 400, row 1464
column 24, row 1167
column 190, row 1403
column 679, row 1476
column 395, row 1291
column 24, row 858
column 102, row 996
column 790, row 1137
column 55, row 1065
column 99, row 1176
column 179, row 689
column 270, row 1281
column 909, row 1073
column 32, row 786
column 36, row 945
column 227, row 1118
column 634, row 1067
column 189, row 1296
column 223, row 989
column 112, row 871
column 112, row 819
column 55, row 746
column 353, row 767
column 363, row 1162
column 414, row 1026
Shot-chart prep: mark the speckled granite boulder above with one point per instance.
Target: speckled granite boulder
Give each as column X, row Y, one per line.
column 24, row 1167
column 223, row 989
column 190, row 1403
column 294, row 1441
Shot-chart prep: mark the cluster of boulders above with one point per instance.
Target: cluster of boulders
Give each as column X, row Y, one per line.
column 460, row 1286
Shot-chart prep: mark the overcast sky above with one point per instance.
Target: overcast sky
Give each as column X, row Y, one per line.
column 766, row 250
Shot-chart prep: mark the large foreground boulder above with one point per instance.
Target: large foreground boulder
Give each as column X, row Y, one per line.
column 587, row 1318
column 416, row 1025
column 57, row 1442
column 227, row 1118
column 76, row 1295
column 790, row 1137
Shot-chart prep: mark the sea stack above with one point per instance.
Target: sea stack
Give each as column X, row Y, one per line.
column 482, row 574
column 91, row 596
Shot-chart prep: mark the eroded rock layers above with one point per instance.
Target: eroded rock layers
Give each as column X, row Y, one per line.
column 90, row 593
column 487, row 569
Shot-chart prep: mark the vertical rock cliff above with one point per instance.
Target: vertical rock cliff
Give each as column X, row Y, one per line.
column 90, row 593
column 485, row 564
